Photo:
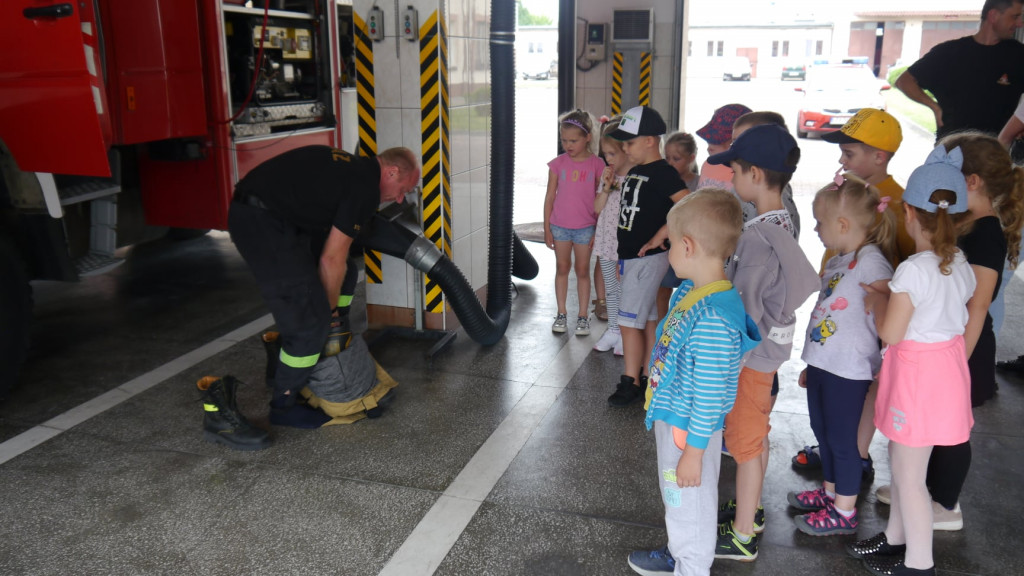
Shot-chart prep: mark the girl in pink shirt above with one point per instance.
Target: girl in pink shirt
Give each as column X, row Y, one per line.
column 569, row 217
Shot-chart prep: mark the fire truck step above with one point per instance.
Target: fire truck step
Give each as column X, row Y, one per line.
column 87, row 190
column 95, row 263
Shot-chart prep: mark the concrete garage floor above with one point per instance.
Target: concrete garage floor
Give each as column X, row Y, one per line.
column 504, row 460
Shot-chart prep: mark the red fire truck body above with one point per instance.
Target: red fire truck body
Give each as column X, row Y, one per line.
column 120, row 116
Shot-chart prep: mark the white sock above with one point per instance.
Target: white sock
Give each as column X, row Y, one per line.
column 846, row 513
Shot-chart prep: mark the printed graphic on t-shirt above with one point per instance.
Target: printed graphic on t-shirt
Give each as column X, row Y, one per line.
column 629, row 205
column 779, row 217
column 575, row 175
column 660, row 352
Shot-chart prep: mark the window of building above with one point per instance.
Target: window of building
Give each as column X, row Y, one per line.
column 721, row 45
column 689, row 48
column 785, row 47
column 711, row 47
column 775, row 48
column 819, row 48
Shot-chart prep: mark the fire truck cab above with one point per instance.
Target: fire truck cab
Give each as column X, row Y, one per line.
column 121, row 119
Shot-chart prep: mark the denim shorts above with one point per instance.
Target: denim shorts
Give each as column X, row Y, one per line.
column 574, row 235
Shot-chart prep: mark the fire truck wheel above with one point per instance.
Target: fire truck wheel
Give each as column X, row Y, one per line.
column 15, row 314
column 181, row 234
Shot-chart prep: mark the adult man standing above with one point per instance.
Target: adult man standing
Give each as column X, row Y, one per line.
column 976, row 80
column 294, row 219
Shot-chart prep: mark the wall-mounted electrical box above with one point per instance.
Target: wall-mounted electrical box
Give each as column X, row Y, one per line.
column 597, row 41
column 410, row 24
column 375, row 24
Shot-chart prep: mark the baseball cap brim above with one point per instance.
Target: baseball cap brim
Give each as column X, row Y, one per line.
column 621, row 135
column 723, row 158
column 839, row 137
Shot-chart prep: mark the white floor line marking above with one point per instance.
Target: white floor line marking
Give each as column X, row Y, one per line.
column 432, row 539
column 61, row 423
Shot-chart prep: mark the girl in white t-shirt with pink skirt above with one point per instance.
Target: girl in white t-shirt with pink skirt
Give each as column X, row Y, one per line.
column 924, row 391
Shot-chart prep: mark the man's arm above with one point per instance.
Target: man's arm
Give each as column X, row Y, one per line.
column 909, row 86
column 334, row 264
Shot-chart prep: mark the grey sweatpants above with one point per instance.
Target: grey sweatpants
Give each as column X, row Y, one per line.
column 691, row 514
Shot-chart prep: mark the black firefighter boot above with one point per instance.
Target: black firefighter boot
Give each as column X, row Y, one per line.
column 222, row 422
column 272, row 346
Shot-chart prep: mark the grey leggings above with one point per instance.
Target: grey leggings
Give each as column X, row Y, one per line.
column 612, row 290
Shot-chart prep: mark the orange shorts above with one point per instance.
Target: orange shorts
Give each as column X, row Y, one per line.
column 746, row 426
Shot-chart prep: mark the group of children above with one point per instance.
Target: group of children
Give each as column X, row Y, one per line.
column 899, row 339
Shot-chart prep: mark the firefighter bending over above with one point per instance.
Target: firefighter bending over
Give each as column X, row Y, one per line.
column 294, row 219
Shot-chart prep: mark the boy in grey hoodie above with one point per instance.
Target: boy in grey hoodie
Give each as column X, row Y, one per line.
column 773, row 277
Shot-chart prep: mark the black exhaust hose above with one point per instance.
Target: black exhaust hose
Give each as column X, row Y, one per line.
column 396, row 232
column 503, row 110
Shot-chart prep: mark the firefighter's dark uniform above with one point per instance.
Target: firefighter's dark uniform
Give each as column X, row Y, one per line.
column 279, row 220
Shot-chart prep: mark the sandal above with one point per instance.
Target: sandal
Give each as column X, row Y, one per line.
column 601, row 309
column 807, row 459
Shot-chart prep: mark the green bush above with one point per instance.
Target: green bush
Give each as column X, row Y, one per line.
column 894, row 74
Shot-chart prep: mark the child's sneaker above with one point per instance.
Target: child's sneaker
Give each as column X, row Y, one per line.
column 809, row 500
column 730, row 547
column 893, row 566
column 561, row 324
column 608, row 340
column 727, row 513
column 652, row 562
column 582, row 326
column 626, row 392
column 826, row 522
column 807, row 459
column 877, row 545
column 947, row 520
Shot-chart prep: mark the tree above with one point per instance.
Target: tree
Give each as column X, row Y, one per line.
column 527, row 19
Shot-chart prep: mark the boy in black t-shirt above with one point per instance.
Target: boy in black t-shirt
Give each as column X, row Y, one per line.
column 651, row 188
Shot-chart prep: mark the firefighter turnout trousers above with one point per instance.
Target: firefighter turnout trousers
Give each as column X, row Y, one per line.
column 285, row 260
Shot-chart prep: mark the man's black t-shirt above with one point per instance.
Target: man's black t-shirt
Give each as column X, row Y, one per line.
column 315, row 187
column 646, row 199
column 977, row 86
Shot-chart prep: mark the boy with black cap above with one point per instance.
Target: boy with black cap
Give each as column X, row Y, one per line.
column 773, row 278
column 650, row 190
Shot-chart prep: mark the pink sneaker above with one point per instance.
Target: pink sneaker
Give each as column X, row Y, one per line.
column 826, row 522
column 809, row 500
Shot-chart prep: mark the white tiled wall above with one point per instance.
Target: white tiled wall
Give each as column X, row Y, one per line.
column 397, row 92
column 594, row 87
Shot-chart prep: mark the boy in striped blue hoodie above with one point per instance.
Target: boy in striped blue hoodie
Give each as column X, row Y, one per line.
column 693, row 373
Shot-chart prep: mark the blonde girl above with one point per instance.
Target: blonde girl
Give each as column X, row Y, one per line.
column 841, row 346
column 569, row 217
column 681, row 154
column 924, row 396
column 606, row 245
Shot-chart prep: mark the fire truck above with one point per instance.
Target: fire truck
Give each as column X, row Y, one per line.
column 123, row 119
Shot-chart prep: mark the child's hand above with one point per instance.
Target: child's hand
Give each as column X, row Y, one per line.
column 549, row 239
column 803, row 379
column 608, row 178
column 689, row 468
column 873, row 297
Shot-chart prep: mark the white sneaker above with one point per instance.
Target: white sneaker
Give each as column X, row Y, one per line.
column 947, row 520
column 617, row 350
column 608, row 340
column 582, row 326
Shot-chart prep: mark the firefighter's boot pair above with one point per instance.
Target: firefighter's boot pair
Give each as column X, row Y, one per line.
column 223, row 423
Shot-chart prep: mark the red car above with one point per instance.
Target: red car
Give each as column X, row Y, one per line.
column 835, row 93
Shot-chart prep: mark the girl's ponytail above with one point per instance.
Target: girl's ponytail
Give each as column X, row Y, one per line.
column 883, row 232
column 1010, row 208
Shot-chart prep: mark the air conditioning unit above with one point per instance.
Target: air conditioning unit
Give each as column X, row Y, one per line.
column 633, row 27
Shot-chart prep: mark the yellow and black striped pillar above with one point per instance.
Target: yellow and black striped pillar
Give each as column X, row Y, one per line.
column 437, row 202
column 616, row 83
column 367, row 110
column 645, row 79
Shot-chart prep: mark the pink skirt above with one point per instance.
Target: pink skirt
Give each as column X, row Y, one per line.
column 924, row 394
